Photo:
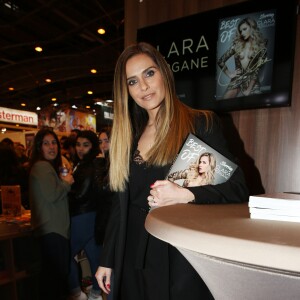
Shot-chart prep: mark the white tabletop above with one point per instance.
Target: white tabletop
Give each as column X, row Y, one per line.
column 226, row 231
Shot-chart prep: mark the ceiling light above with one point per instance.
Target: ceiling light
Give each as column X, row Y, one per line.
column 48, row 80
column 11, row 5
column 11, row 88
column 101, row 31
column 55, row 104
column 90, row 92
column 94, row 71
column 53, row 99
column 87, row 106
column 109, row 101
column 23, row 104
column 38, row 49
column 74, row 106
column 38, row 108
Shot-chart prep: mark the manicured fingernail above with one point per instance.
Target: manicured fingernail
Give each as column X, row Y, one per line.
column 152, row 185
column 108, row 286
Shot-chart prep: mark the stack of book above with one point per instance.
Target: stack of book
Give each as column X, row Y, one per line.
column 275, row 206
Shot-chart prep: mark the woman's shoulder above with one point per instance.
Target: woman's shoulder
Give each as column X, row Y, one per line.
column 41, row 165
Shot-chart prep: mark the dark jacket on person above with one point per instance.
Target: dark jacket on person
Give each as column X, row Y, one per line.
column 104, row 197
column 83, row 196
column 232, row 191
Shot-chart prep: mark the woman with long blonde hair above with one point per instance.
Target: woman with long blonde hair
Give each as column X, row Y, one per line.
column 150, row 125
column 249, row 50
column 201, row 172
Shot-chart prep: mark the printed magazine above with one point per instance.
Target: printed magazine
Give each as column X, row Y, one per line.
column 199, row 164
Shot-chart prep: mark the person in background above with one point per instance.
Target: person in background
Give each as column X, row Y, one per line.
column 105, row 194
column 104, row 143
column 83, row 199
column 48, row 194
column 21, row 154
column 202, row 172
column 74, row 132
column 61, row 141
column 69, row 150
column 7, row 142
column 12, row 172
column 65, row 156
column 150, row 125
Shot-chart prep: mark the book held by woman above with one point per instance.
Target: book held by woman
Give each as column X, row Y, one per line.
column 199, row 164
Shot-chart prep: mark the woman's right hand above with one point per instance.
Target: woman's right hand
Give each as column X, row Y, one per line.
column 68, row 178
column 103, row 276
column 234, row 73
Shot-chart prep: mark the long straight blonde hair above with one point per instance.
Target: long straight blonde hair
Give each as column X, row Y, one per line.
column 174, row 120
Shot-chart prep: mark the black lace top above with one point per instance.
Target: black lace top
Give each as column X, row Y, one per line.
column 141, row 177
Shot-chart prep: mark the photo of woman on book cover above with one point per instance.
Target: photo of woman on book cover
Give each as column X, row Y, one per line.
column 245, row 55
column 201, row 172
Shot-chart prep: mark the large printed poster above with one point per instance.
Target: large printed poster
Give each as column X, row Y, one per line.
column 232, row 58
column 245, row 54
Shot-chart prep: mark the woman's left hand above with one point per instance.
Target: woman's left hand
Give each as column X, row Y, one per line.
column 164, row 192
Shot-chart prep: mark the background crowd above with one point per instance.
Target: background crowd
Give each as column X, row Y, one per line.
column 64, row 182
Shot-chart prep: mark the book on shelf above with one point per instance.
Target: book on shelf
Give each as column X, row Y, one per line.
column 199, row 164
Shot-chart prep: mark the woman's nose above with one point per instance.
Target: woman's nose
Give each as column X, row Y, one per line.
column 144, row 85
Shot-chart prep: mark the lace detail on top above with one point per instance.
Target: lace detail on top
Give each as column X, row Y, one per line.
column 137, row 158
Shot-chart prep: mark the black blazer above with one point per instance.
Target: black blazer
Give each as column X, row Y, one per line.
column 232, row 191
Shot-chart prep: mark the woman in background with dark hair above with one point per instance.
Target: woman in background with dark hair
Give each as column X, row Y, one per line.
column 104, row 142
column 49, row 213
column 104, row 192
column 104, row 203
column 83, row 199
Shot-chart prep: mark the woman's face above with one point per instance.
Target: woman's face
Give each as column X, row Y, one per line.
column 49, row 147
column 145, row 82
column 245, row 31
column 104, row 142
column 83, row 146
column 204, row 164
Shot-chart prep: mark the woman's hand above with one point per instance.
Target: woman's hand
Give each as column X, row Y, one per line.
column 68, row 178
column 234, row 73
column 164, row 192
column 103, row 276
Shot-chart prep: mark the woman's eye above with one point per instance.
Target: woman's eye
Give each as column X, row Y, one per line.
column 131, row 82
column 150, row 73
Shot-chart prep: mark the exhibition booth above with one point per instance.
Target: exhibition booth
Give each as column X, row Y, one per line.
column 20, row 126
